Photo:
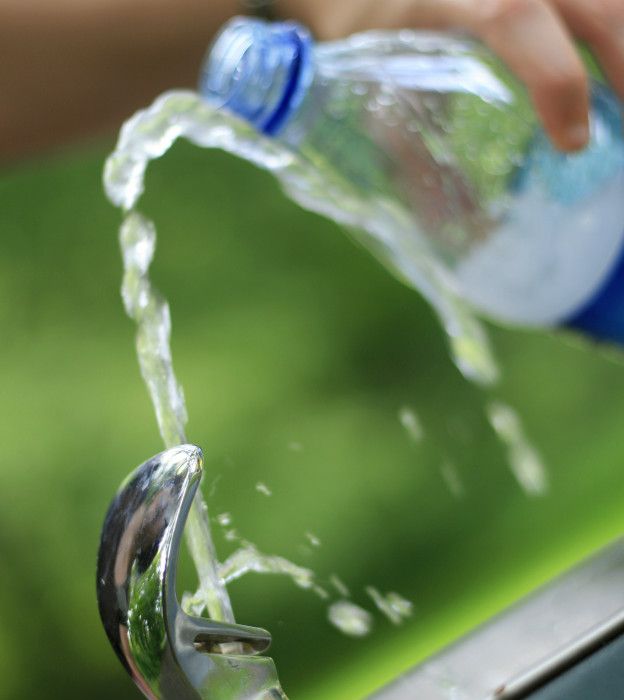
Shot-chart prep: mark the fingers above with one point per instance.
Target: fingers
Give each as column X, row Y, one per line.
column 601, row 24
column 531, row 37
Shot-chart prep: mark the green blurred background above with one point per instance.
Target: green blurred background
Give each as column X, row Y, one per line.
column 296, row 351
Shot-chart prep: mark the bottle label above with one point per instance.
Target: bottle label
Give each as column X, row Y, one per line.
column 602, row 317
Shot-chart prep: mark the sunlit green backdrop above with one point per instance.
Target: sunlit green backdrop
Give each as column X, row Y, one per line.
column 296, row 351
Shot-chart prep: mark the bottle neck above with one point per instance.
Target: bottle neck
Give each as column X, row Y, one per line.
column 259, row 71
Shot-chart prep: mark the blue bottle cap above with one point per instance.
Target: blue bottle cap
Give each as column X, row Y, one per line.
column 258, row 71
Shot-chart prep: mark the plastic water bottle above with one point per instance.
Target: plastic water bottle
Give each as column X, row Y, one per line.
column 436, row 125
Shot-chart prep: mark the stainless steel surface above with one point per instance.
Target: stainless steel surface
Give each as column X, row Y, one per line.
column 522, row 649
column 169, row 654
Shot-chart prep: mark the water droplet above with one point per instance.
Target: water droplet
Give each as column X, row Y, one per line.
column 262, row 488
column 410, row 421
column 350, row 618
column 213, row 485
column 359, row 89
column 386, row 98
column 313, row 539
column 232, row 535
column 524, row 460
column 224, row 519
column 339, row 585
column 320, row 592
column 452, row 479
column 431, row 103
column 392, row 605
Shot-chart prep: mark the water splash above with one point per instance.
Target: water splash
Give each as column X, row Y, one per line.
column 525, row 462
column 376, row 222
column 392, row 605
column 249, row 558
column 350, row 618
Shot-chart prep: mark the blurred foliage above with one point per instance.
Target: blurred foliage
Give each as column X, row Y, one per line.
column 296, row 350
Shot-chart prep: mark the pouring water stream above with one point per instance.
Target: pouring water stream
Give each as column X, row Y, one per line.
column 147, row 136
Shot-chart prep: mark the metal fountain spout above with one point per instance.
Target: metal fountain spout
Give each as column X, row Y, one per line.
column 169, row 654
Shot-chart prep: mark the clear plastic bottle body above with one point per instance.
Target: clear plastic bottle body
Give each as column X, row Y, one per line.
column 436, row 129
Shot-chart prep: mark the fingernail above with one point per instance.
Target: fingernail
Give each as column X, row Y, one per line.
column 577, row 136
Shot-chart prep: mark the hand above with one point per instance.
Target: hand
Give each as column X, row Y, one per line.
column 534, row 37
